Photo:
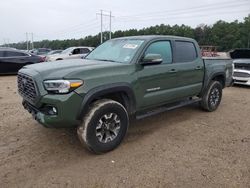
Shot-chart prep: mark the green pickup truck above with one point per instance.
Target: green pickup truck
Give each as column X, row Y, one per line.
column 124, row 78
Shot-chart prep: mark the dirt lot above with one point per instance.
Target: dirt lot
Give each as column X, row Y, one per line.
column 182, row 148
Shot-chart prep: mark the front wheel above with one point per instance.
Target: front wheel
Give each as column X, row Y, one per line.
column 104, row 126
column 212, row 97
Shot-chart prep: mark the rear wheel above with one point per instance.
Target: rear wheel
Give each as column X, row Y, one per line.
column 104, row 126
column 212, row 97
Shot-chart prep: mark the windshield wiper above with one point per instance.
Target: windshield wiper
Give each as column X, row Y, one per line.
column 106, row 60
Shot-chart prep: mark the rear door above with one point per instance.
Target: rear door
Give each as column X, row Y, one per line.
column 189, row 68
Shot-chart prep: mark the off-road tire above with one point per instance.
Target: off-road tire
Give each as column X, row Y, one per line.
column 87, row 131
column 212, row 97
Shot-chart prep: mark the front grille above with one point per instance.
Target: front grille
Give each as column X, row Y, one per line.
column 241, row 74
column 242, row 81
column 26, row 87
column 242, row 66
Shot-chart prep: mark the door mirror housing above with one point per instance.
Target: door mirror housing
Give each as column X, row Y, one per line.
column 152, row 59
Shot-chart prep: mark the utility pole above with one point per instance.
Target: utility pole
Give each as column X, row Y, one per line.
column 6, row 42
column 27, row 41
column 101, row 14
column 101, row 28
column 32, row 42
column 110, row 19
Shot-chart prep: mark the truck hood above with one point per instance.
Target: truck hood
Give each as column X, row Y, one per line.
column 69, row 68
column 240, row 53
column 242, row 61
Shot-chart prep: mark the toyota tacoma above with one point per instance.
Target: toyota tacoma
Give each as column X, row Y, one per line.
column 123, row 78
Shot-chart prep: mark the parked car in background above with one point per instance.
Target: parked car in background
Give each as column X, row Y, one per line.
column 40, row 51
column 53, row 52
column 71, row 53
column 12, row 60
column 241, row 62
column 1, row 48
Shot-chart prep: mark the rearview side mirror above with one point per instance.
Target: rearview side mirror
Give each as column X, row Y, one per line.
column 152, row 59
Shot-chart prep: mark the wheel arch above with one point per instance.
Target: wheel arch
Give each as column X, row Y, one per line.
column 120, row 92
column 219, row 76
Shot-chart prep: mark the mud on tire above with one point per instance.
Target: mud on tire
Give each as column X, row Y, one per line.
column 104, row 126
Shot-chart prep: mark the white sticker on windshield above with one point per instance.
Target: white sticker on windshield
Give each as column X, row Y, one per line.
column 130, row 46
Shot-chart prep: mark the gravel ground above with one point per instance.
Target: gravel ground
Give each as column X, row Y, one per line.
column 186, row 147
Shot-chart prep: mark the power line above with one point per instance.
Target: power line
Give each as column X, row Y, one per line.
column 202, row 7
column 77, row 25
column 181, row 16
column 77, row 29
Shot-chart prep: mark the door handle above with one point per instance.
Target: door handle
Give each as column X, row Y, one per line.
column 198, row 68
column 173, row 71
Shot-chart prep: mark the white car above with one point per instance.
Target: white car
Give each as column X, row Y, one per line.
column 241, row 72
column 71, row 53
column 241, row 66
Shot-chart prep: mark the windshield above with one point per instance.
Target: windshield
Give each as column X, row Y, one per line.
column 54, row 52
column 67, row 51
column 119, row 50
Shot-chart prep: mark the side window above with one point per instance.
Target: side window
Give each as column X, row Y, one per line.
column 14, row 54
column 185, row 52
column 85, row 50
column 76, row 51
column 163, row 48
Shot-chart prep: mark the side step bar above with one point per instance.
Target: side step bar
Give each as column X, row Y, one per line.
column 167, row 108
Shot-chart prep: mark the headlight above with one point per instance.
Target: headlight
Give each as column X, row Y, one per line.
column 62, row 86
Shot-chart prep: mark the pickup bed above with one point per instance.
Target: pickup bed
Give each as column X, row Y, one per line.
column 122, row 78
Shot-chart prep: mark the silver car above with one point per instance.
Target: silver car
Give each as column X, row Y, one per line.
column 241, row 66
column 71, row 53
column 241, row 71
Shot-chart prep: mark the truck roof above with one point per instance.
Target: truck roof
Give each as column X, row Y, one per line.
column 150, row 37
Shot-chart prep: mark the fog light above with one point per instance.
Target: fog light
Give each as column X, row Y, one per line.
column 51, row 110
column 54, row 110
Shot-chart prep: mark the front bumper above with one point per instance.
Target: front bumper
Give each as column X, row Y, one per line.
column 241, row 77
column 241, row 81
column 67, row 106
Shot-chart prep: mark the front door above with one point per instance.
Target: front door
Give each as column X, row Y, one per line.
column 156, row 83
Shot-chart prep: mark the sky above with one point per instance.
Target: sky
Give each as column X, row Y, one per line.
column 66, row 19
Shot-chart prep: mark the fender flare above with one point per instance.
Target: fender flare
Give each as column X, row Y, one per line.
column 210, row 78
column 107, row 89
